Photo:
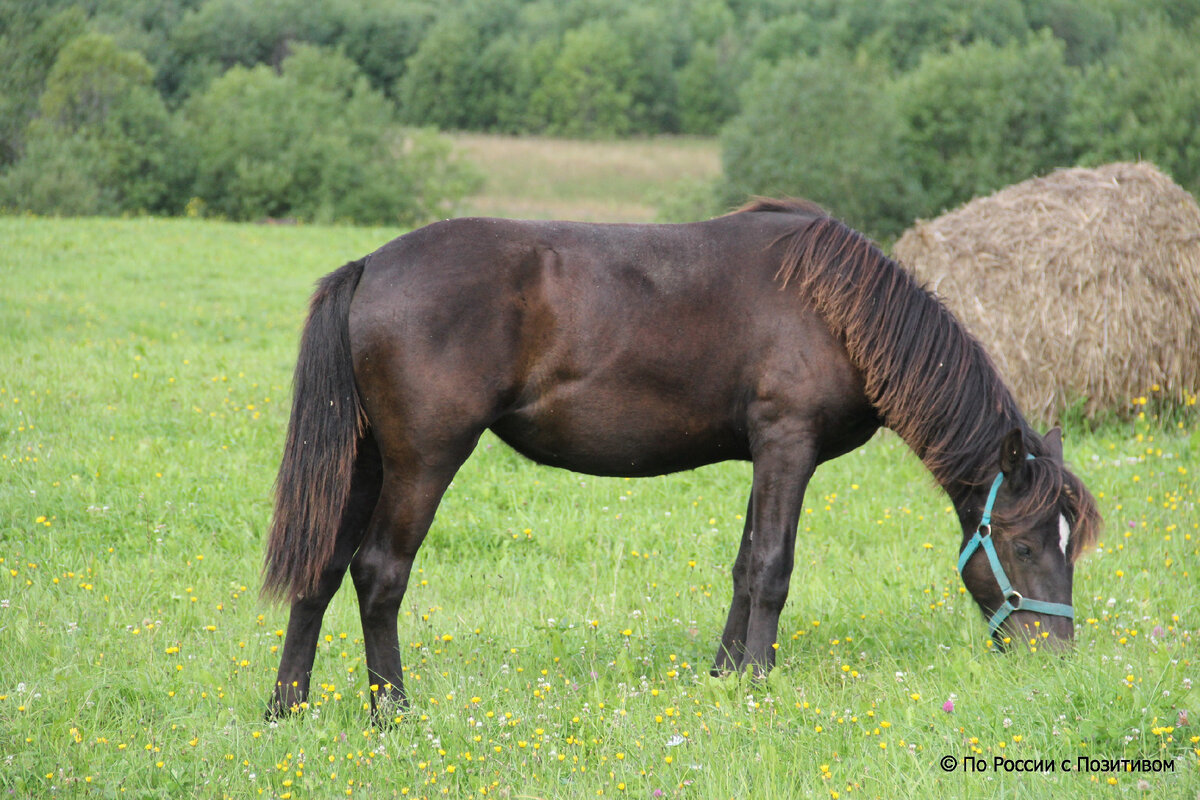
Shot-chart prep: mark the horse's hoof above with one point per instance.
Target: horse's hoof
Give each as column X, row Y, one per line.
column 389, row 720
column 389, row 709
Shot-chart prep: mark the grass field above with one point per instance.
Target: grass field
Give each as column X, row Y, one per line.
column 558, row 633
column 595, row 181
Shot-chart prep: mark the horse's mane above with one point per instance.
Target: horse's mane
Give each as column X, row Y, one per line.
column 928, row 378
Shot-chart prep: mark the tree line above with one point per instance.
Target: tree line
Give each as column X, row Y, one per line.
column 883, row 110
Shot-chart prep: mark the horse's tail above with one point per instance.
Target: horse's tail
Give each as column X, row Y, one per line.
column 322, row 441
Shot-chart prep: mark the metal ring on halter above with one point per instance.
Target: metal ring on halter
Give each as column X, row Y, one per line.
column 1014, row 598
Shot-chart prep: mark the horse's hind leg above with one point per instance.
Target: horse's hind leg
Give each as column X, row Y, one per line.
column 304, row 620
column 412, row 488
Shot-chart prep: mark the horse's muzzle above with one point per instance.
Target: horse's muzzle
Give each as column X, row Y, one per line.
column 1033, row 630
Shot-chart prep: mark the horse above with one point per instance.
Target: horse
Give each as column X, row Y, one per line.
column 775, row 334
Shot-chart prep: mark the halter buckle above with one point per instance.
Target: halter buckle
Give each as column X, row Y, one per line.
column 1014, row 598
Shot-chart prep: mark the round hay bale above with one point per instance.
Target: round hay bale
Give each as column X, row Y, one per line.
column 1083, row 286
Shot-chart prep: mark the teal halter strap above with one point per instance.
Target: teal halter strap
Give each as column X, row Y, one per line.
column 1013, row 600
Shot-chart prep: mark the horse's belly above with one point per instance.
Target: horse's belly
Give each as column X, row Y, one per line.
column 618, row 433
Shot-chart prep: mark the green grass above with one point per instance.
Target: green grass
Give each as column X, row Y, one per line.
column 558, row 634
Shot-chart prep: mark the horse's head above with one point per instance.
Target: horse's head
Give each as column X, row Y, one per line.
column 1018, row 555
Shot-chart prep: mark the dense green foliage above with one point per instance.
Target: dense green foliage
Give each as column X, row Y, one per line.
column 314, row 141
column 823, row 127
column 298, row 132
column 102, row 139
column 917, row 108
column 883, row 111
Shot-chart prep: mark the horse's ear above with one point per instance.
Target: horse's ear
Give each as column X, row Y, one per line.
column 1012, row 459
column 1053, row 444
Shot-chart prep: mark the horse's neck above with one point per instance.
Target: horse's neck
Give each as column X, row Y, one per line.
column 927, row 378
column 966, row 474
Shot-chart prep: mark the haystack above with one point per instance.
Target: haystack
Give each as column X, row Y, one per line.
column 1083, row 285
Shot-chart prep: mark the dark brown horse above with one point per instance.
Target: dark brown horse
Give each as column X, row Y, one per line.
column 775, row 334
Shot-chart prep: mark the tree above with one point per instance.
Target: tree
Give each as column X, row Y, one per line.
column 825, row 128
column 586, row 91
column 786, row 37
column 103, row 143
column 706, row 98
column 31, row 36
column 459, row 79
column 91, row 76
column 219, row 34
column 710, row 21
column 1088, row 29
column 315, row 142
column 55, row 177
column 901, row 32
column 981, row 117
column 1144, row 103
column 438, row 85
column 380, row 36
column 654, row 41
column 511, row 66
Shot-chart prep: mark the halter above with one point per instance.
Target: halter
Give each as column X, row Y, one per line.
column 1013, row 601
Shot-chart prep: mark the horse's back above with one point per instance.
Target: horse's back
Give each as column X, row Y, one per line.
column 508, row 285
column 681, row 257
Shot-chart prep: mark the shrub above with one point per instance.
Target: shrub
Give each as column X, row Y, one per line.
column 103, row 143
column 315, row 142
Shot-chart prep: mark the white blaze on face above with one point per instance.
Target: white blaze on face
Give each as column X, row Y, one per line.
column 1064, row 534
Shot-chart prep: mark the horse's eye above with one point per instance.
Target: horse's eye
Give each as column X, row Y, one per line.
column 1023, row 550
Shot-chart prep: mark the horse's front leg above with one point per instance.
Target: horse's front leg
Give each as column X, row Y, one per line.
column 782, row 469
column 733, row 639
